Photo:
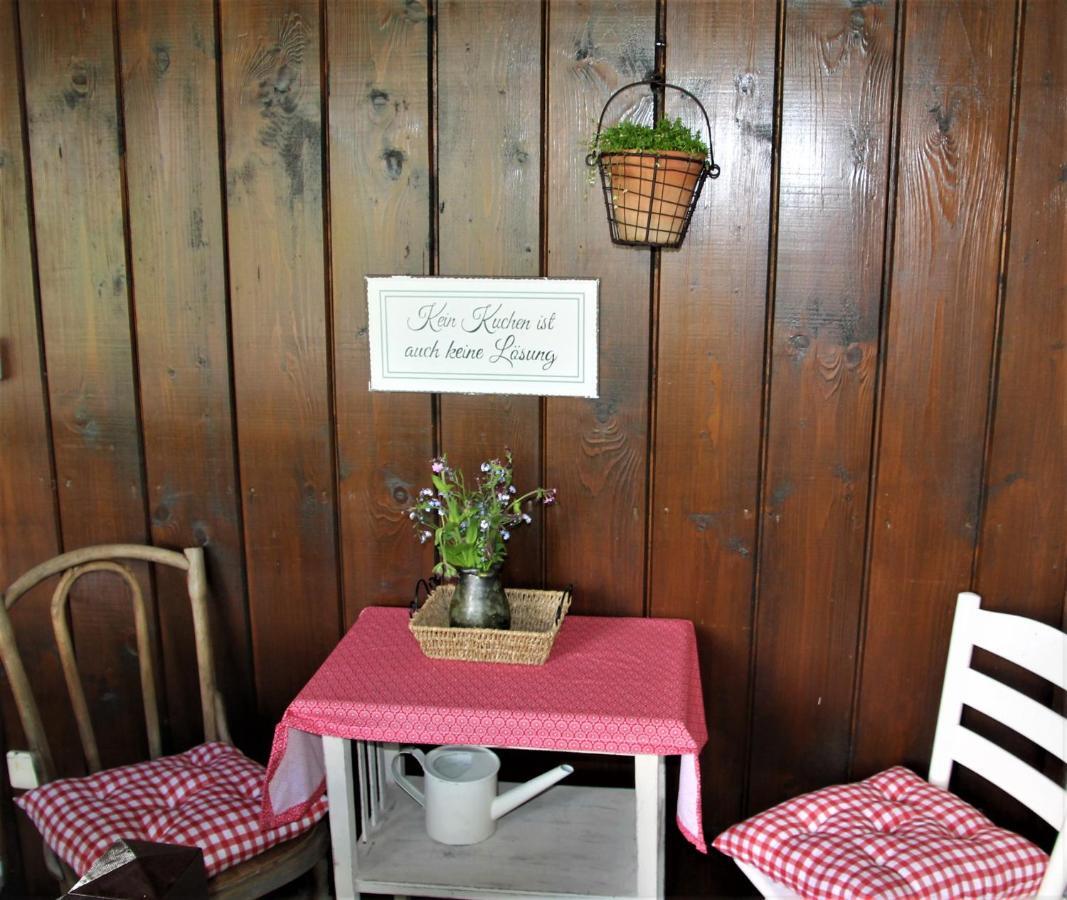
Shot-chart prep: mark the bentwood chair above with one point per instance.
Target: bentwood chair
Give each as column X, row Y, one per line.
column 898, row 835
column 208, row 796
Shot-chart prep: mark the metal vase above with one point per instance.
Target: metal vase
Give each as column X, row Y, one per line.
column 479, row 601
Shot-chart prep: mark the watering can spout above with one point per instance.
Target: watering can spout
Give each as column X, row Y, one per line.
column 519, row 794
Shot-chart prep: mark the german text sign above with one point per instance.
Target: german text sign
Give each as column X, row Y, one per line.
column 483, row 335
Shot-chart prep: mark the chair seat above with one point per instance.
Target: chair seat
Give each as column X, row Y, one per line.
column 893, row 835
column 208, row 797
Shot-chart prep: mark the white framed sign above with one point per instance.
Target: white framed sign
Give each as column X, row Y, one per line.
column 483, row 335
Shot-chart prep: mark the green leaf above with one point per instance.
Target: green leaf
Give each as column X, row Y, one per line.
column 459, row 540
column 666, row 135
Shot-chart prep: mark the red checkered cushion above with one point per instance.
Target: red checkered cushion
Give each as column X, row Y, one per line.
column 207, row 797
column 893, row 835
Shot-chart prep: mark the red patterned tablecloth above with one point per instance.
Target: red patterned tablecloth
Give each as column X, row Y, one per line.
column 611, row 685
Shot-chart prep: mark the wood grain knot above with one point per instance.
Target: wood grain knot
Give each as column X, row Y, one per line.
column 161, row 58
column 584, row 46
column 81, row 83
column 605, row 410
column 394, row 160
column 702, row 521
column 275, row 70
column 944, row 117
column 798, row 346
column 414, row 11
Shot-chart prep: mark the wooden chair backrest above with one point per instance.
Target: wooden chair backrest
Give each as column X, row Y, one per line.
column 1038, row 648
column 105, row 558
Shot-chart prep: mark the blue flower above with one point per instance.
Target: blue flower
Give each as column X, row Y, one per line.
column 505, row 534
column 484, row 525
column 485, row 467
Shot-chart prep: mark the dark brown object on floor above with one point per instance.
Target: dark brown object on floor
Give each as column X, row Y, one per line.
column 141, row 870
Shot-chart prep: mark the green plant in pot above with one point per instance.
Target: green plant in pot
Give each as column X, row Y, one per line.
column 470, row 527
column 651, row 173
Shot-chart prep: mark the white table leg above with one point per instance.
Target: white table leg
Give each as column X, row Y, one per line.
column 341, row 789
column 649, row 789
column 364, row 793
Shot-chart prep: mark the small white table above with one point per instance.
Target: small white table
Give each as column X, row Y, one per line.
column 617, row 686
column 569, row 841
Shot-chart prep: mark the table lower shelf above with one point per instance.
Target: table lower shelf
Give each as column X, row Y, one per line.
column 568, row 842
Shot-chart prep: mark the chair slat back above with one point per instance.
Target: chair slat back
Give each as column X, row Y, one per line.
column 1038, row 648
column 1030, row 787
column 70, row 567
column 1026, row 642
column 1037, row 723
column 146, row 658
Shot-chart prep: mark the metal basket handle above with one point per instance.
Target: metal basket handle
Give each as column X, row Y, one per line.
column 709, row 163
column 568, row 592
column 428, row 585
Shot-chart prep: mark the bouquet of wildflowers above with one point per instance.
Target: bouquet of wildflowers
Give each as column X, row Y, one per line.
column 471, row 526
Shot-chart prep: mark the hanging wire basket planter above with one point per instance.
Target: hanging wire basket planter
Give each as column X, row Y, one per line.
column 650, row 195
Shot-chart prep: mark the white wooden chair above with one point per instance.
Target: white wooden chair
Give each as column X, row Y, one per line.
column 272, row 868
column 1034, row 646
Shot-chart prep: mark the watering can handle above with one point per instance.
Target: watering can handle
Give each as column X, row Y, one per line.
column 713, row 169
column 406, row 786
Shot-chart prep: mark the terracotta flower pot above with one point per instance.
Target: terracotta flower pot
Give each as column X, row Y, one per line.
column 652, row 192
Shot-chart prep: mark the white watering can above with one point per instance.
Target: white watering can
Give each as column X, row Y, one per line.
column 460, row 796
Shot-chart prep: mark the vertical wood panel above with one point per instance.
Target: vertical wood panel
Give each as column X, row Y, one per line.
column 178, row 259
column 953, row 138
column 26, row 496
column 274, row 178
column 1023, row 540
column 489, row 112
column 596, row 450
column 27, row 507
column 710, row 371
column 1025, row 516
column 837, row 100
column 380, row 214
column 26, row 492
column 75, row 145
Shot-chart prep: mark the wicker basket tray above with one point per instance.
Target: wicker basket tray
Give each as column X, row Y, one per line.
column 536, row 617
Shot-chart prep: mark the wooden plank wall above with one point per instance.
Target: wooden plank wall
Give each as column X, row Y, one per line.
column 841, row 402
